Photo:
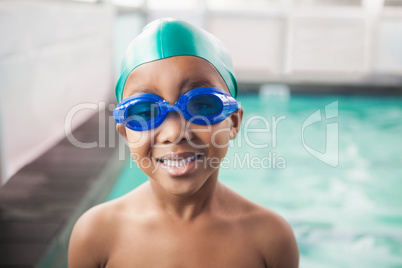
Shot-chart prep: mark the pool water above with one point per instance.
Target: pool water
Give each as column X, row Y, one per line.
column 334, row 174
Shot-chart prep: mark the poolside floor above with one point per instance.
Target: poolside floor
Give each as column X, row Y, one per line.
column 40, row 203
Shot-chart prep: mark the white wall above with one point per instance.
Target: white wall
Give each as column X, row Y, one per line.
column 127, row 26
column 389, row 46
column 53, row 56
column 255, row 44
column 313, row 44
column 328, row 45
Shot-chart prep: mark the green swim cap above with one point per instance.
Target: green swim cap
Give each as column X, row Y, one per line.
column 164, row 38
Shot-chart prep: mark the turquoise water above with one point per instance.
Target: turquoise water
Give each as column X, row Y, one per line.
column 345, row 202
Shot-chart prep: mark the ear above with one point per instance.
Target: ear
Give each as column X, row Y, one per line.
column 236, row 119
column 121, row 129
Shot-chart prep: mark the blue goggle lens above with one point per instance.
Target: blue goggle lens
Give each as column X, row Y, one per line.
column 142, row 111
column 205, row 105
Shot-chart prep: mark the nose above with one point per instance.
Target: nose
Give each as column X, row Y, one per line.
column 173, row 129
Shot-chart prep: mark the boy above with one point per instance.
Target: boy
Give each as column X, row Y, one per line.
column 177, row 111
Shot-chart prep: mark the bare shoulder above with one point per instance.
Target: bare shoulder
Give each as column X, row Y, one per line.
column 92, row 235
column 270, row 231
column 275, row 237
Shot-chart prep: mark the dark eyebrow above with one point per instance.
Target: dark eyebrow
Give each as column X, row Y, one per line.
column 187, row 85
column 197, row 84
column 143, row 90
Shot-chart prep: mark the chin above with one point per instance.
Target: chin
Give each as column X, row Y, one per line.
column 182, row 189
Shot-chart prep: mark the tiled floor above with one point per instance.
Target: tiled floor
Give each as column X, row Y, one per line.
column 39, row 204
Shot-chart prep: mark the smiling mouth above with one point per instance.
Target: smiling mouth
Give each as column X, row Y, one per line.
column 179, row 160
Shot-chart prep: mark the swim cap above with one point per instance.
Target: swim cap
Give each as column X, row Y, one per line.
column 164, row 38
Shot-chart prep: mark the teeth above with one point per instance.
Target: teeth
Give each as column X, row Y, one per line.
column 178, row 163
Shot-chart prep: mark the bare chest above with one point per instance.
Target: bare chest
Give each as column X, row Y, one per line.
column 175, row 248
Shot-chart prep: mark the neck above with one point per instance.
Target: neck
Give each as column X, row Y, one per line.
column 187, row 207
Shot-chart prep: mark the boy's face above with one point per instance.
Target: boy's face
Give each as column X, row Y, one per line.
column 176, row 138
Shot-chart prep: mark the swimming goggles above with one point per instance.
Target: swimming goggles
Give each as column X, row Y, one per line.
column 202, row 106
